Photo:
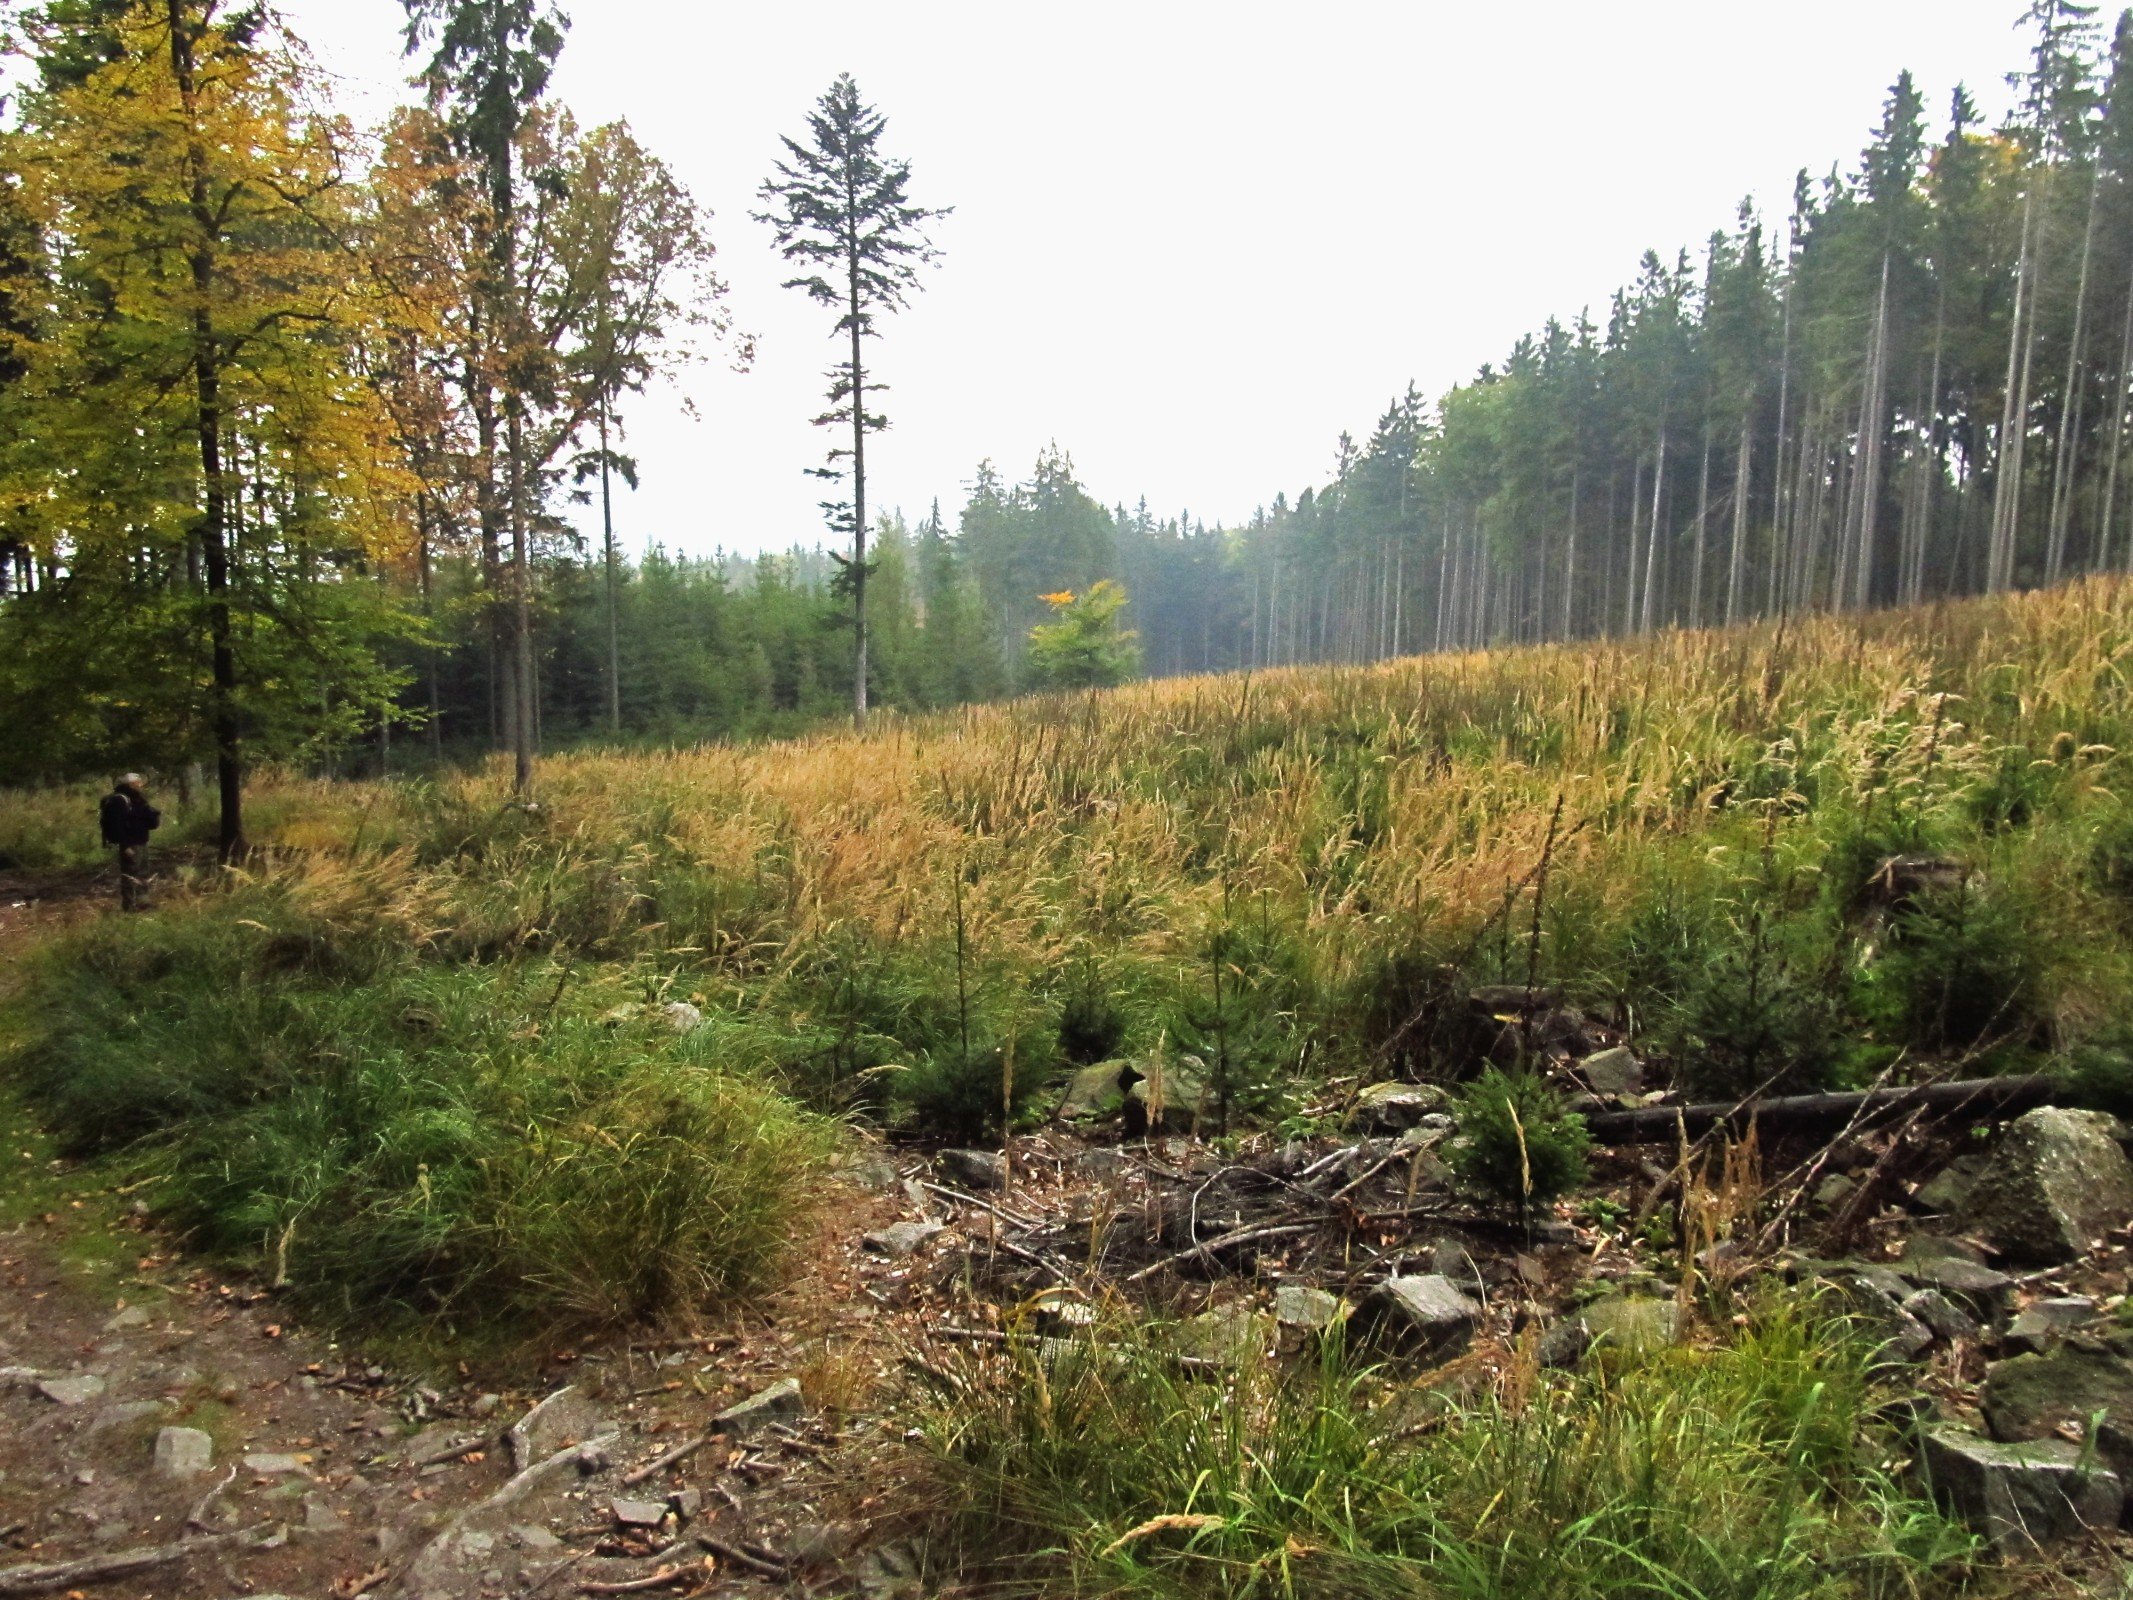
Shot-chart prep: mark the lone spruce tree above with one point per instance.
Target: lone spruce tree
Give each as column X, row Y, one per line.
column 842, row 214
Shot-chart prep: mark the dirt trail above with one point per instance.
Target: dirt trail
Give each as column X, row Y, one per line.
column 349, row 1471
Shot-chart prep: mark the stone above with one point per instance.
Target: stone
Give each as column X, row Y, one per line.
column 975, row 1169
column 781, row 1402
column 1875, row 1295
column 1169, row 1097
column 1613, row 1072
column 1103, row 1165
column 320, row 1516
column 532, row 1536
column 1944, row 1319
column 2024, row 1498
column 1986, row 1292
column 638, row 1513
column 1833, row 1191
column 1564, row 1345
column 686, row 1503
column 127, row 1318
column 877, row 1174
column 903, row 1238
column 487, row 1405
column 275, row 1464
column 1427, row 1312
column 125, row 1414
column 2057, row 1181
column 1299, row 1306
column 564, row 1418
column 183, row 1452
column 815, row 1544
column 2034, row 1396
column 1939, row 1247
column 1433, row 1129
column 1631, row 1324
column 78, row 1390
column 1094, row 1092
column 2043, row 1323
column 1229, row 1334
column 1944, row 1193
column 681, row 1016
column 1060, row 1316
column 1395, row 1107
column 1452, row 1260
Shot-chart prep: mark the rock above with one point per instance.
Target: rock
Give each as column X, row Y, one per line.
column 1103, row 1164
column 1631, row 1324
column 565, row 1417
column 1168, row 1098
column 272, row 1464
column 1875, row 1295
column 1094, row 1092
column 320, row 1516
column 1229, row 1334
column 815, row 1544
column 2034, row 1396
column 1986, row 1292
column 2044, row 1323
column 127, row 1318
column 781, row 1402
column 1427, row 1312
column 1395, row 1107
column 125, row 1414
column 638, row 1513
column 2057, row 1181
column 975, row 1169
column 1833, row 1191
column 2022, row 1497
column 532, row 1536
column 686, row 1503
column 1943, row 1318
column 486, row 1405
column 903, row 1238
column 1613, row 1072
column 1944, row 1193
column 1059, row 1316
column 1452, row 1261
column 183, row 1452
column 1939, row 1247
column 77, row 1390
column 1564, row 1345
column 876, row 1174
column 1431, row 1130
column 681, row 1016
column 1299, row 1306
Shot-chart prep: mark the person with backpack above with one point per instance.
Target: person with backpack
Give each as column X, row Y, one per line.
column 127, row 820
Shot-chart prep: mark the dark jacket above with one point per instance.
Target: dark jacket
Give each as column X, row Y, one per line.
column 127, row 818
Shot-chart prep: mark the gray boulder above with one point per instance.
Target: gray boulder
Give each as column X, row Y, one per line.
column 681, row 1016
column 1613, row 1072
column 2035, row 1396
column 2024, row 1498
column 1094, row 1092
column 1944, row 1319
column 2057, row 1181
column 78, row 1390
column 903, row 1238
column 975, row 1169
column 1301, row 1308
column 1944, row 1193
column 1621, row 1324
column 1986, row 1292
column 2043, row 1323
column 183, row 1452
column 1428, row 1314
column 781, row 1402
column 1875, row 1295
column 1169, row 1096
column 1396, row 1107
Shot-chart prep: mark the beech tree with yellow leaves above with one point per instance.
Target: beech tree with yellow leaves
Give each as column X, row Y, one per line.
column 201, row 469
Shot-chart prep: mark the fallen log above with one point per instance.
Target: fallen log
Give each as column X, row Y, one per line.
column 1975, row 1098
column 44, row 1578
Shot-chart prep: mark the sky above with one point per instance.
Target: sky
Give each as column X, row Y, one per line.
column 1192, row 243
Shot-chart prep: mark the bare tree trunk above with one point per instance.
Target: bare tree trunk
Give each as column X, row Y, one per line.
column 1651, row 535
column 1872, row 426
column 2014, row 412
column 2070, row 405
column 1703, row 511
column 1570, row 554
column 2104, row 533
column 1743, row 464
column 614, row 630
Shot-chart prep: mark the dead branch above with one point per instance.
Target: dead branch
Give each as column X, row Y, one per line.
column 44, row 1577
column 659, row 1464
column 1206, row 1249
column 1976, row 1098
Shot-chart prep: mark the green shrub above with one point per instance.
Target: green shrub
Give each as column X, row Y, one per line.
column 1753, row 1471
column 1091, row 1028
column 467, row 1141
column 1963, row 969
column 1760, row 1015
column 962, row 1098
column 1516, row 1142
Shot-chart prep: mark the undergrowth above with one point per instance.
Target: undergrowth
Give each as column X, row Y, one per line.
column 1752, row 1470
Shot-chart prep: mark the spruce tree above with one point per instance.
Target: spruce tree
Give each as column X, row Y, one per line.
column 842, row 214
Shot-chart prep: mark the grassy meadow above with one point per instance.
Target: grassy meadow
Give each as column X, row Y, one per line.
column 414, row 1055
column 417, row 1064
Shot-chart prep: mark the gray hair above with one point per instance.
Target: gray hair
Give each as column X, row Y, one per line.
column 132, row 780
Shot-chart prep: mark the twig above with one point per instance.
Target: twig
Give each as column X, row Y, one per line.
column 664, row 1579
column 659, row 1464
column 437, row 1458
column 1001, row 1212
column 197, row 1517
column 43, row 1577
column 1222, row 1242
column 1368, row 1173
column 741, row 1558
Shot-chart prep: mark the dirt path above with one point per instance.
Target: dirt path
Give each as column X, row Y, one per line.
column 361, row 1479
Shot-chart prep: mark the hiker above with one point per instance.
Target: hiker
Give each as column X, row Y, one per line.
column 127, row 820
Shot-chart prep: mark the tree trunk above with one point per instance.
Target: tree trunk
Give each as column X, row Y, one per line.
column 2070, row 404
column 2118, row 436
column 1651, row 533
column 614, row 631
column 207, row 393
column 1703, row 511
column 1743, row 465
column 1872, row 427
column 2014, row 411
column 859, row 493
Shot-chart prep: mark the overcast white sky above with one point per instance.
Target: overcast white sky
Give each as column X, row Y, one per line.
column 1192, row 242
